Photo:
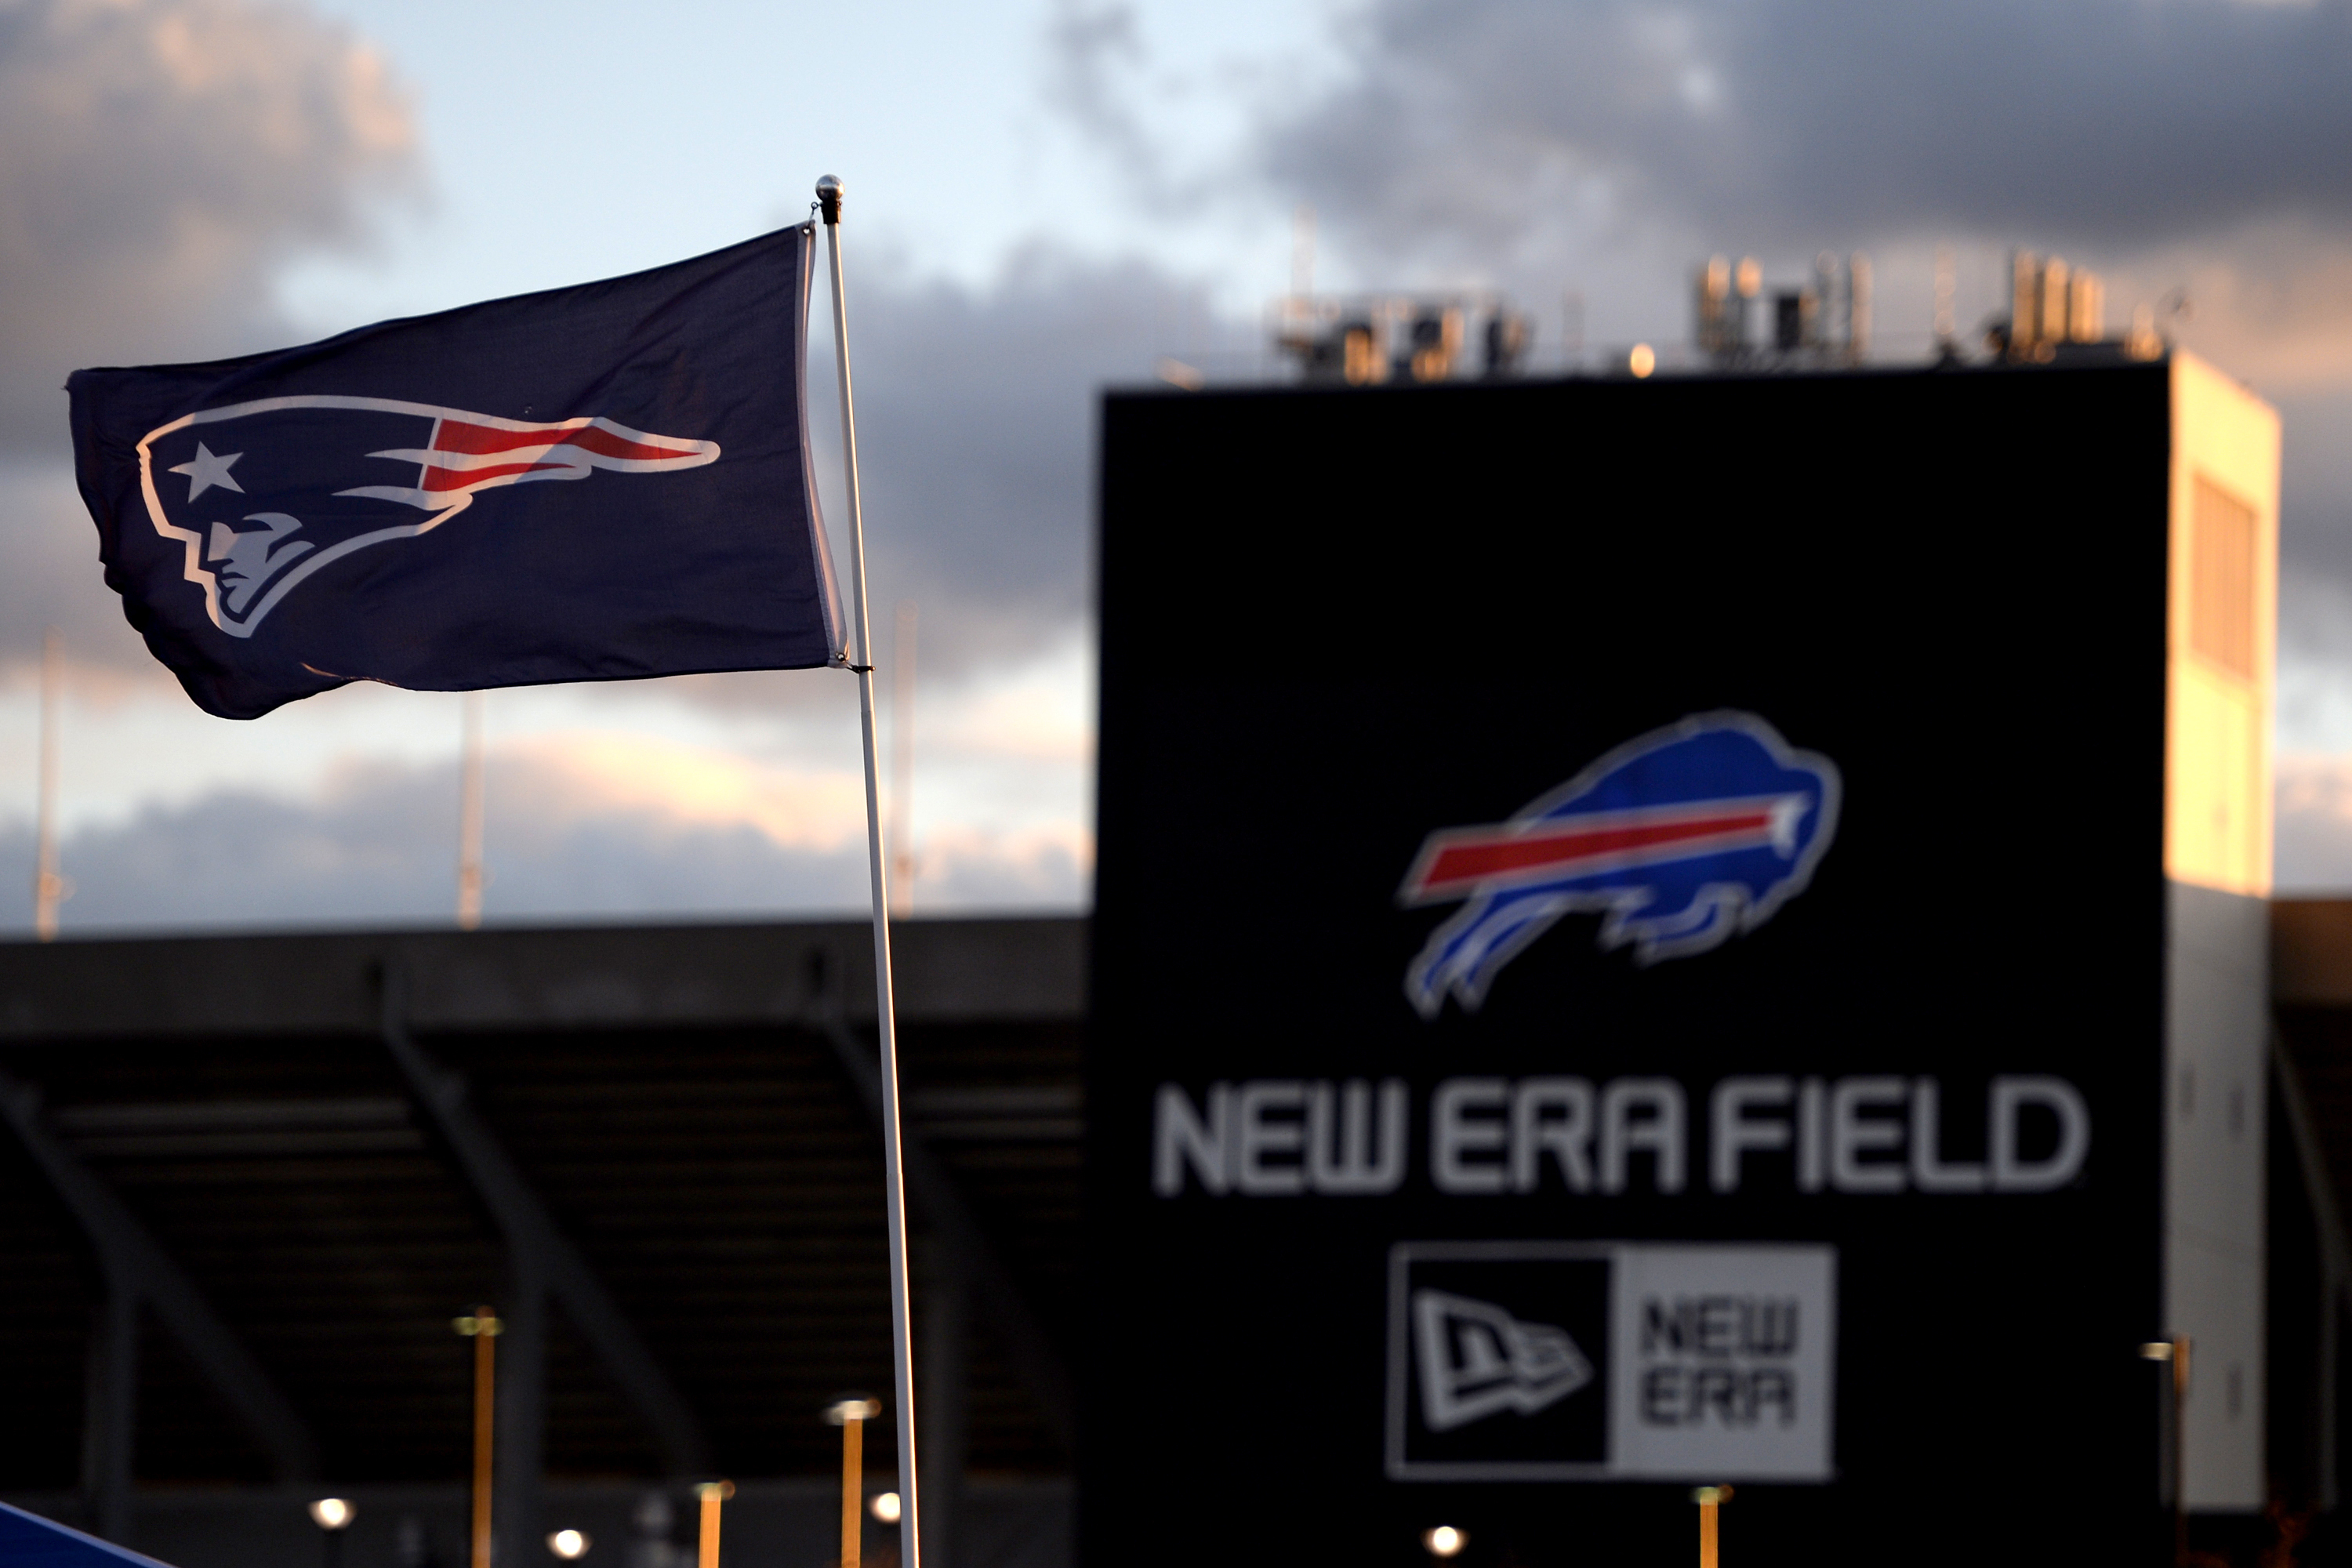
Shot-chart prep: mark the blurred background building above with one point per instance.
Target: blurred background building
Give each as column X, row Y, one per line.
column 246, row 1183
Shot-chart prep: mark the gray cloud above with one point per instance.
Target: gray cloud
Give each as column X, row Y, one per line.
column 2315, row 493
column 159, row 159
column 976, row 417
column 2120, row 122
column 53, row 577
column 1090, row 48
column 381, row 848
column 2314, row 841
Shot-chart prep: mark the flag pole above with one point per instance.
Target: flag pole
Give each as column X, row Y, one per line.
column 910, row 1551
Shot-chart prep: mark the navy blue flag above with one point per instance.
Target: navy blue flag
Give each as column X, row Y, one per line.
column 371, row 508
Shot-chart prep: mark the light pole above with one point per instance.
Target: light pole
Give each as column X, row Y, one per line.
column 482, row 1326
column 712, row 1493
column 2175, row 1352
column 332, row 1515
column 1710, row 1499
column 851, row 1412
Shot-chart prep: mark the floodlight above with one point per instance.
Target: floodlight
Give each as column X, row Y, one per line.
column 852, row 1407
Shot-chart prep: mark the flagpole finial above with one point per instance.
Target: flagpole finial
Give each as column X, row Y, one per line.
column 828, row 198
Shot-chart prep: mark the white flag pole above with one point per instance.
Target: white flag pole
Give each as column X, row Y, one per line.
column 910, row 1551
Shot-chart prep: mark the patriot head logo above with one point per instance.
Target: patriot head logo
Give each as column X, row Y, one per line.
column 261, row 495
column 1681, row 839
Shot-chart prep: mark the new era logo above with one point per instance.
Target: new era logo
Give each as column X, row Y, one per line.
column 1476, row 1361
column 1534, row 1361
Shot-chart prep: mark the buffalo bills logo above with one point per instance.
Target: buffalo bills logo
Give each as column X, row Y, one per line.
column 1681, row 839
column 260, row 495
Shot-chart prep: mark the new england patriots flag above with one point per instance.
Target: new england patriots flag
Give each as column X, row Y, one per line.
column 597, row 483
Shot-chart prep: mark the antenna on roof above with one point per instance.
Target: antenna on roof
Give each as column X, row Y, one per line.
column 49, row 890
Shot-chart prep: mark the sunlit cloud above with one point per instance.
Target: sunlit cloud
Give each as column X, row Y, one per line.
column 567, row 777
column 580, row 827
column 1040, row 710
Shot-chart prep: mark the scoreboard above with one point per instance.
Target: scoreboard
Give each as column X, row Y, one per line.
column 1646, row 937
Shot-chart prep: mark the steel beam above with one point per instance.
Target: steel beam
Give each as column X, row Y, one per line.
column 519, row 1478
column 530, row 1234
column 945, row 1410
column 111, row 1413
column 2334, row 1257
column 940, row 1201
column 137, row 1270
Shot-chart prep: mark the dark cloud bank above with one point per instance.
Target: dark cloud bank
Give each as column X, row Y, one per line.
column 159, row 159
column 976, row 419
column 2124, row 121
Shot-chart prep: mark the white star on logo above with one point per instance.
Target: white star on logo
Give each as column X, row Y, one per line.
column 208, row 470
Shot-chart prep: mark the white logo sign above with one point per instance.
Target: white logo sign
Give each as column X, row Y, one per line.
column 1717, row 1361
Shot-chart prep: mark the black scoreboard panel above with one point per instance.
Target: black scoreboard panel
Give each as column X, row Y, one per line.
column 1629, row 953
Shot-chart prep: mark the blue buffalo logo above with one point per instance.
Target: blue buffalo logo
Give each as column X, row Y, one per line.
column 1681, row 839
column 261, row 495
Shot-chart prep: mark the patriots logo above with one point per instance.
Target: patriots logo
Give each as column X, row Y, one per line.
column 1681, row 839
column 261, row 495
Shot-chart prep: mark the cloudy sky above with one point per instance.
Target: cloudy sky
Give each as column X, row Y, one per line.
column 1046, row 196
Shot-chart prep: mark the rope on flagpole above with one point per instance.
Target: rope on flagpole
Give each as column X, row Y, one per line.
column 828, row 196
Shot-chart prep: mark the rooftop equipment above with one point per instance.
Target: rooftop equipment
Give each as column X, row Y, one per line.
column 2055, row 309
column 1825, row 322
column 1366, row 341
column 2055, row 312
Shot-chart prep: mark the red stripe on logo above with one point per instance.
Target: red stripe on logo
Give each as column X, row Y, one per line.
column 604, row 444
column 436, row 480
column 1469, row 856
column 482, row 440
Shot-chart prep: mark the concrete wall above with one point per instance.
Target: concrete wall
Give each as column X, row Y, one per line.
column 2221, row 631
column 959, row 971
column 2217, row 1054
